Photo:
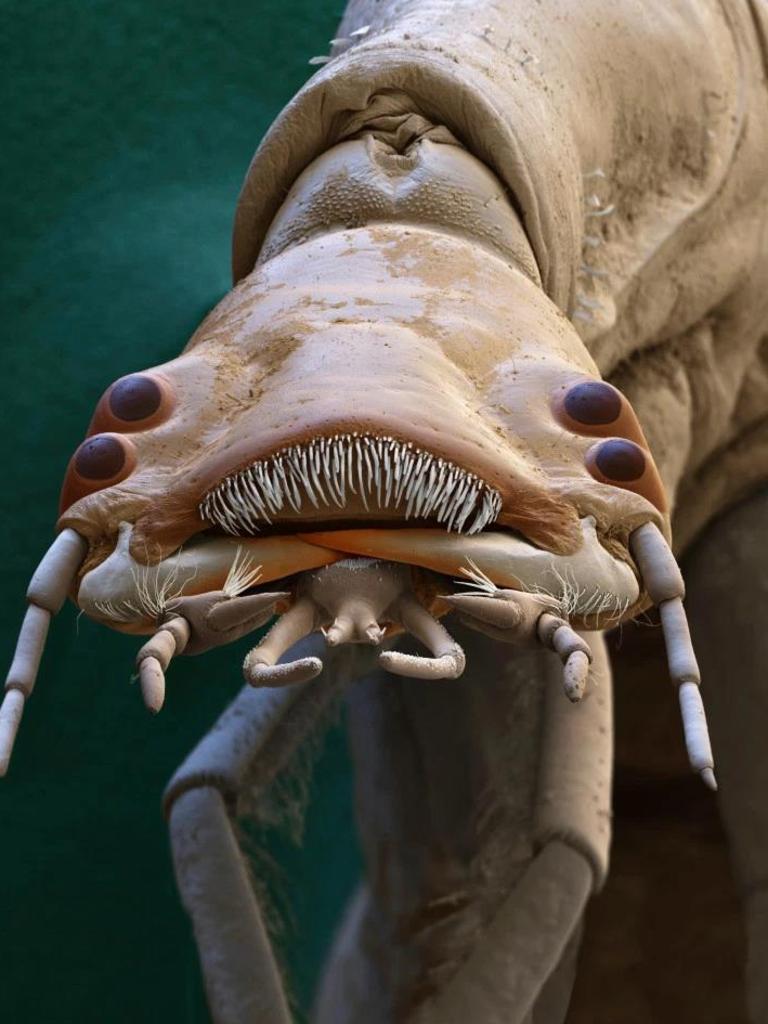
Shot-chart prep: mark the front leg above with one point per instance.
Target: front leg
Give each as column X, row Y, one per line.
column 514, row 616
column 248, row 747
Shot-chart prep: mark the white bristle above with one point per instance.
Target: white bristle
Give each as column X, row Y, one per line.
column 384, row 473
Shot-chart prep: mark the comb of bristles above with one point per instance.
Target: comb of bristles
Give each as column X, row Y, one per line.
column 383, row 472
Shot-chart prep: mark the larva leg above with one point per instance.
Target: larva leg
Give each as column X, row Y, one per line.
column 253, row 739
column 727, row 580
column 522, row 964
column 196, row 624
column 261, row 668
column 514, row 616
column 522, row 947
column 353, row 601
column 573, row 650
column 155, row 656
column 447, row 661
column 497, row 793
column 242, row 978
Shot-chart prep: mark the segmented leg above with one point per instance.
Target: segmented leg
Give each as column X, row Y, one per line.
column 514, row 616
column 252, row 741
column 261, row 666
column 496, row 793
column 155, row 656
column 573, row 650
column 353, row 601
column 447, row 661
column 196, row 624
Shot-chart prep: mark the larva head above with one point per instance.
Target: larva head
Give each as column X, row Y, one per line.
column 384, row 391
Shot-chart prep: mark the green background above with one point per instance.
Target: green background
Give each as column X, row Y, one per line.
column 127, row 130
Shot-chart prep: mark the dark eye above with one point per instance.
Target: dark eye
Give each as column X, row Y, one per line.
column 620, row 460
column 135, row 398
column 593, row 403
column 100, row 458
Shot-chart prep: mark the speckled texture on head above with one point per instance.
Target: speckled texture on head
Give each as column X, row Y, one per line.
column 446, row 233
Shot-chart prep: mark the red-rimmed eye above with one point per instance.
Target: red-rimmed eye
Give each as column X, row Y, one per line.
column 135, row 398
column 133, row 403
column 100, row 458
column 101, row 461
column 593, row 403
column 595, row 408
column 620, row 460
column 623, row 463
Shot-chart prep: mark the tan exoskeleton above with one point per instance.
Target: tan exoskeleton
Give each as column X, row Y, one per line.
column 498, row 324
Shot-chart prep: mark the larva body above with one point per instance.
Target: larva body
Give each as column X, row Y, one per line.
column 499, row 312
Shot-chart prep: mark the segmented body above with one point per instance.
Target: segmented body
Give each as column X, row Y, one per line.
column 631, row 147
column 443, row 244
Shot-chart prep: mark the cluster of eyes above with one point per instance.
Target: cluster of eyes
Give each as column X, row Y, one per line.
column 594, row 405
column 134, row 401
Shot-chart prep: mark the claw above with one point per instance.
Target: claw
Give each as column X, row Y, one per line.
column 340, row 632
column 574, row 652
column 448, row 666
column 260, row 667
column 154, row 658
column 347, row 602
column 215, row 618
column 261, row 673
column 374, row 634
column 355, row 622
column 152, row 681
column 575, row 674
column 517, row 617
column 447, row 662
